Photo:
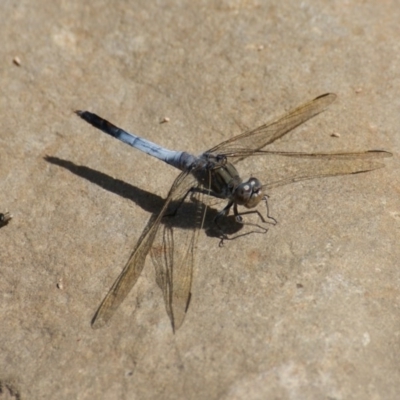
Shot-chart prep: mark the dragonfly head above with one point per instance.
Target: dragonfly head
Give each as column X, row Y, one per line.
column 249, row 193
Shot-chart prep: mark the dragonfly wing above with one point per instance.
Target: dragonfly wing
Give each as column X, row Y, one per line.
column 135, row 264
column 248, row 142
column 173, row 250
column 289, row 167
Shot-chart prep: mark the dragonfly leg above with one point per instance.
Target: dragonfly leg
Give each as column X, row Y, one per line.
column 223, row 213
column 173, row 213
column 239, row 218
column 265, row 198
column 192, row 190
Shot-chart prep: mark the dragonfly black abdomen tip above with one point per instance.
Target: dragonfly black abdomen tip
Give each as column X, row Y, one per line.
column 86, row 115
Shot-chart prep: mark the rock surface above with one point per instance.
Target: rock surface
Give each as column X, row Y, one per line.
column 309, row 310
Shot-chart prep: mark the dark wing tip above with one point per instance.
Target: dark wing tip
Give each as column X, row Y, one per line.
column 381, row 153
column 327, row 98
column 79, row 112
column 97, row 323
column 333, row 95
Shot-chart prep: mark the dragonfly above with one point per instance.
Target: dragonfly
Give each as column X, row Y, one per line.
column 214, row 173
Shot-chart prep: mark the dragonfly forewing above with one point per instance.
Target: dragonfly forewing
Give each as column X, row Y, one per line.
column 248, row 142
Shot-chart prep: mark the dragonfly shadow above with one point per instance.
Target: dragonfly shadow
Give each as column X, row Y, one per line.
column 144, row 199
column 148, row 201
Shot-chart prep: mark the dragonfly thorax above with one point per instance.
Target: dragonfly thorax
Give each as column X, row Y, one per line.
column 217, row 175
column 248, row 193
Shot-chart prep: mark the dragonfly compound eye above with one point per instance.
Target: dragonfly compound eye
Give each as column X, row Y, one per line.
column 249, row 193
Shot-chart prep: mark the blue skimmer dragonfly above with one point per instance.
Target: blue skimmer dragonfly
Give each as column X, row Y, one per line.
column 213, row 173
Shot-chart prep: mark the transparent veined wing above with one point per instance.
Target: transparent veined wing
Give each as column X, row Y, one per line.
column 173, row 253
column 174, row 257
column 282, row 168
column 245, row 144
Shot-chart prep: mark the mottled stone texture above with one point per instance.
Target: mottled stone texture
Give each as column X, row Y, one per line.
column 309, row 310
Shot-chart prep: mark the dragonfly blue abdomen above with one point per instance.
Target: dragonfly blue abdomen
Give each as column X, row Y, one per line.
column 178, row 159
